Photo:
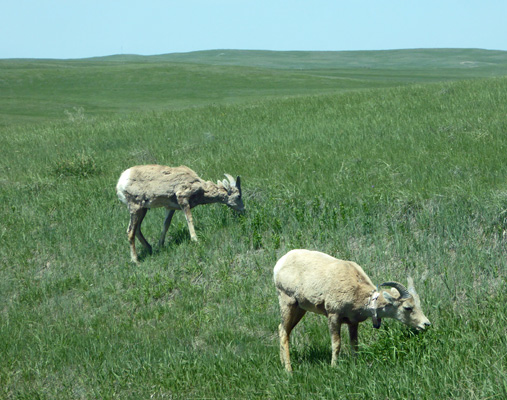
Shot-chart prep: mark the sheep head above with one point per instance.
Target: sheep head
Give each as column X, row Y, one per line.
column 404, row 305
column 233, row 188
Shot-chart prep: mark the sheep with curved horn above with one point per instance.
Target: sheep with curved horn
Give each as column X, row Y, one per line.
column 176, row 188
column 313, row 281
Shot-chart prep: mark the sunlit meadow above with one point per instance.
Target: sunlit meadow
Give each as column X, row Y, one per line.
column 406, row 179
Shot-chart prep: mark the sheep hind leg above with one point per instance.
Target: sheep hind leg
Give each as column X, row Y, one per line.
column 291, row 315
column 139, row 234
column 167, row 223
column 134, row 230
column 131, row 234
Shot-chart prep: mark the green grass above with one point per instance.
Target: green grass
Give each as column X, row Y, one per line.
column 404, row 179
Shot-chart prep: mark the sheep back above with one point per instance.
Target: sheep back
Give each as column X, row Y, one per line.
column 321, row 283
column 157, row 185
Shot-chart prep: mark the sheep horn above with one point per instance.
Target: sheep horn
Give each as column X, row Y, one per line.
column 231, row 180
column 226, row 185
column 404, row 293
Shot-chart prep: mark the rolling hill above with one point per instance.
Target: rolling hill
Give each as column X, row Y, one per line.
column 41, row 90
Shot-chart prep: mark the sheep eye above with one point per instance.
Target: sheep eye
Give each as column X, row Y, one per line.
column 409, row 309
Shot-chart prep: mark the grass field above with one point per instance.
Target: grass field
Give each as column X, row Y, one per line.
column 396, row 164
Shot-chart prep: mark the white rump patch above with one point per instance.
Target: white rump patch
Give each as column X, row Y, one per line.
column 279, row 265
column 122, row 185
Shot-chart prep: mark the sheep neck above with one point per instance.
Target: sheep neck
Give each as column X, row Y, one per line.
column 214, row 193
column 372, row 306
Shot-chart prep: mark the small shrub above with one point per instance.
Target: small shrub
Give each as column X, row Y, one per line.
column 82, row 166
column 76, row 115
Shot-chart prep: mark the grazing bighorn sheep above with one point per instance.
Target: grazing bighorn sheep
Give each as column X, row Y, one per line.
column 178, row 188
column 313, row 281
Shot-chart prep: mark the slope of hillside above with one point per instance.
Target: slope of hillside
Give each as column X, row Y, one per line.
column 405, row 181
column 43, row 90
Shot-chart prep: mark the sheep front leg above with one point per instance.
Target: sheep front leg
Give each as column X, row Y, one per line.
column 190, row 222
column 353, row 337
column 335, row 331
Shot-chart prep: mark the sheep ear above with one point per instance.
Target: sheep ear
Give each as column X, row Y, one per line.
column 238, row 184
column 390, row 299
column 413, row 292
column 226, row 185
column 410, row 282
column 411, row 288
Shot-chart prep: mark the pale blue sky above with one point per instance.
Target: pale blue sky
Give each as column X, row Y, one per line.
column 87, row 28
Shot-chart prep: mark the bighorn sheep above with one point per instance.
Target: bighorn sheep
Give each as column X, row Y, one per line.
column 341, row 290
column 178, row 188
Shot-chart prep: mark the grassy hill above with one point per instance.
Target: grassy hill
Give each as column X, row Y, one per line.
column 404, row 172
column 315, row 60
column 42, row 90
